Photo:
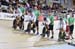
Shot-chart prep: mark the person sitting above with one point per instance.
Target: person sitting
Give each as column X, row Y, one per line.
column 62, row 35
column 31, row 26
column 18, row 22
column 45, row 31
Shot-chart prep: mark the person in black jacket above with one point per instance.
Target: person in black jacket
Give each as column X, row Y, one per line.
column 45, row 31
column 22, row 23
column 18, row 21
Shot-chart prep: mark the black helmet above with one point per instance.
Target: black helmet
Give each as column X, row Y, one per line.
column 61, row 19
column 45, row 19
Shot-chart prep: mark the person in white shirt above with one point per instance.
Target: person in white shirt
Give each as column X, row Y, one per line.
column 31, row 25
column 61, row 36
column 45, row 30
column 31, row 15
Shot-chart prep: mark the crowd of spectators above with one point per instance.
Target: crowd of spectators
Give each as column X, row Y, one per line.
column 12, row 6
column 21, row 6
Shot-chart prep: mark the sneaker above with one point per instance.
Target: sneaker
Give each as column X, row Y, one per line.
column 37, row 33
column 52, row 37
column 72, row 38
column 59, row 40
column 41, row 34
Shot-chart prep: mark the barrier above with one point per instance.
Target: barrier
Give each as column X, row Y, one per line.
column 7, row 16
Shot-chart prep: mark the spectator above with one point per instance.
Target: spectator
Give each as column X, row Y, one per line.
column 71, row 25
column 51, row 25
column 10, row 9
column 5, row 2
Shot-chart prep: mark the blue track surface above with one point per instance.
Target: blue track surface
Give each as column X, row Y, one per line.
column 63, row 46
